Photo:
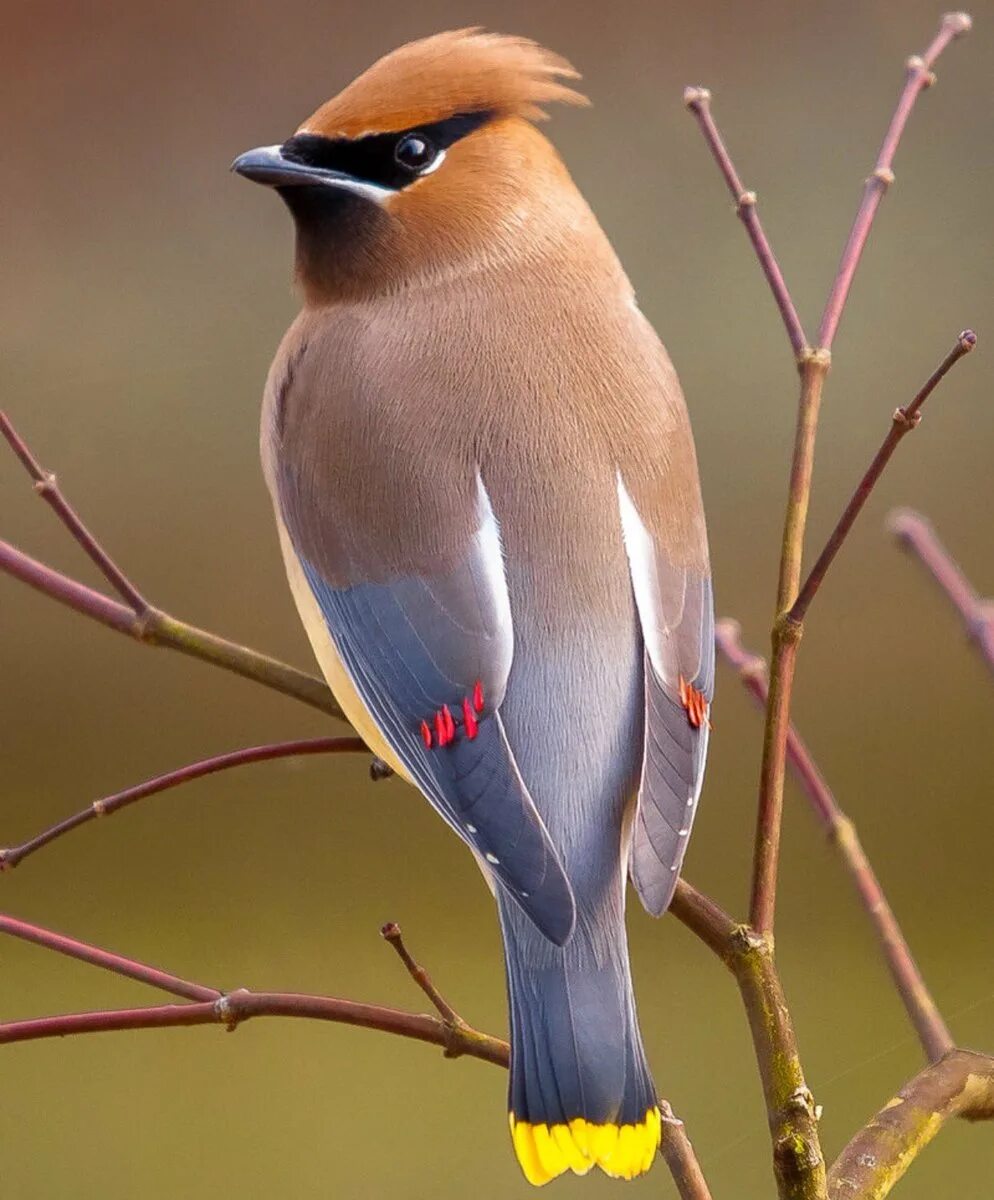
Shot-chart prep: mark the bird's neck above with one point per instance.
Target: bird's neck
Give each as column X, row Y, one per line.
column 348, row 248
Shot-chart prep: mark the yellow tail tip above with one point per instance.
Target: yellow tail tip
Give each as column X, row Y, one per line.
column 621, row 1151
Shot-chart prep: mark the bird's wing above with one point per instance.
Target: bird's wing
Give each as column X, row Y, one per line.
column 428, row 652
column 676, row 612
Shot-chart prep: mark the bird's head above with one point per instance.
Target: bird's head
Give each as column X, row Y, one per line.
column 426, row 166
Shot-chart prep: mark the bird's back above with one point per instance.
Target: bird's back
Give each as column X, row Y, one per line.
column 551, row 389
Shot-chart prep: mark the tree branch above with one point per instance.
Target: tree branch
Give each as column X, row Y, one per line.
column 705, row 919
column 47, row 486
column 698, row 100
column 814, row 365
column 676, row 1148
column 785, row 638
column 917, row 535
column 104, row 807
column 959, row 1085
column 903, row 422
column 212, row 1007
column 233, row 1008
column 919, row 76
column 138, row 619
column 230, row 1009
column 932, row 1031
column 791, row 1112
column 83, row 952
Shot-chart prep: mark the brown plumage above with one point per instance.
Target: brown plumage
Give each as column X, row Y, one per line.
column 487, row 496
column 464, row 70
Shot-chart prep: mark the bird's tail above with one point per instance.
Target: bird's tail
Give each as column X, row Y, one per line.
column 580, row 1093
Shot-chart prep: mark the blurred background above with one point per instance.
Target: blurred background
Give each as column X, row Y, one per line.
column 144, row 291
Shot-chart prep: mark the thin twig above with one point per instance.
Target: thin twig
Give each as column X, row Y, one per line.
column 391, row 933
column 903, row 422
column 698, row 100
column 233, row 1008
column 10, row 858
column 104, row 959
column 959, row 1085
column 919, row 77
column 932, row 1030
column 814, row 365
column 139, row 619
column 785, row 638
column 213, row 1006
column 156, row 628
column 704, row 917
column 917, row 534
column 46, row 485
column 68, row 591
column 678, row 1151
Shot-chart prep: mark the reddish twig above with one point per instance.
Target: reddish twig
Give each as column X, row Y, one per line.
column 146, row 623
column 104, row 959
column 233, row 1008
column 68, row 591
column 919, row 77
column 391, row 933
column 903, row 422
column 10, row 858
column 932, row 1031
column 46, row 485
column 814, row 366
column 916, row 534
column 212, row 1006
column 698, row 100
column 699, row 913
column 785, row 637
column 676, row 1148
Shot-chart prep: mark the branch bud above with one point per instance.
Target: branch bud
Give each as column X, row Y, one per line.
column 958, row 22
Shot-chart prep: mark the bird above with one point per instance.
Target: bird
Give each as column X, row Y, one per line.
column 487, row 497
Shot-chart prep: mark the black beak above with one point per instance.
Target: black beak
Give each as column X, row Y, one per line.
column 267, row 165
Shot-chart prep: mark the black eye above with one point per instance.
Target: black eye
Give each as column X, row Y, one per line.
column 414, row 151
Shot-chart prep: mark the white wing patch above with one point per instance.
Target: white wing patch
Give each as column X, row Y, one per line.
column 675, row 612
column 657, row 623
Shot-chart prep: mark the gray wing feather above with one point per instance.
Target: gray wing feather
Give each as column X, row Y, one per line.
column 676, row 611
column 416, row 644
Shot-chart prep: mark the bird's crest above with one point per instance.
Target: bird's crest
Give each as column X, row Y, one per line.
column 461, row 71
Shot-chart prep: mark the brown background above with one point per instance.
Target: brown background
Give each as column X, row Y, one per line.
column 144, row 290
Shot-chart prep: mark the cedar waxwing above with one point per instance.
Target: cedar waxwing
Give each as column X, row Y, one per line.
column 488, row 503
